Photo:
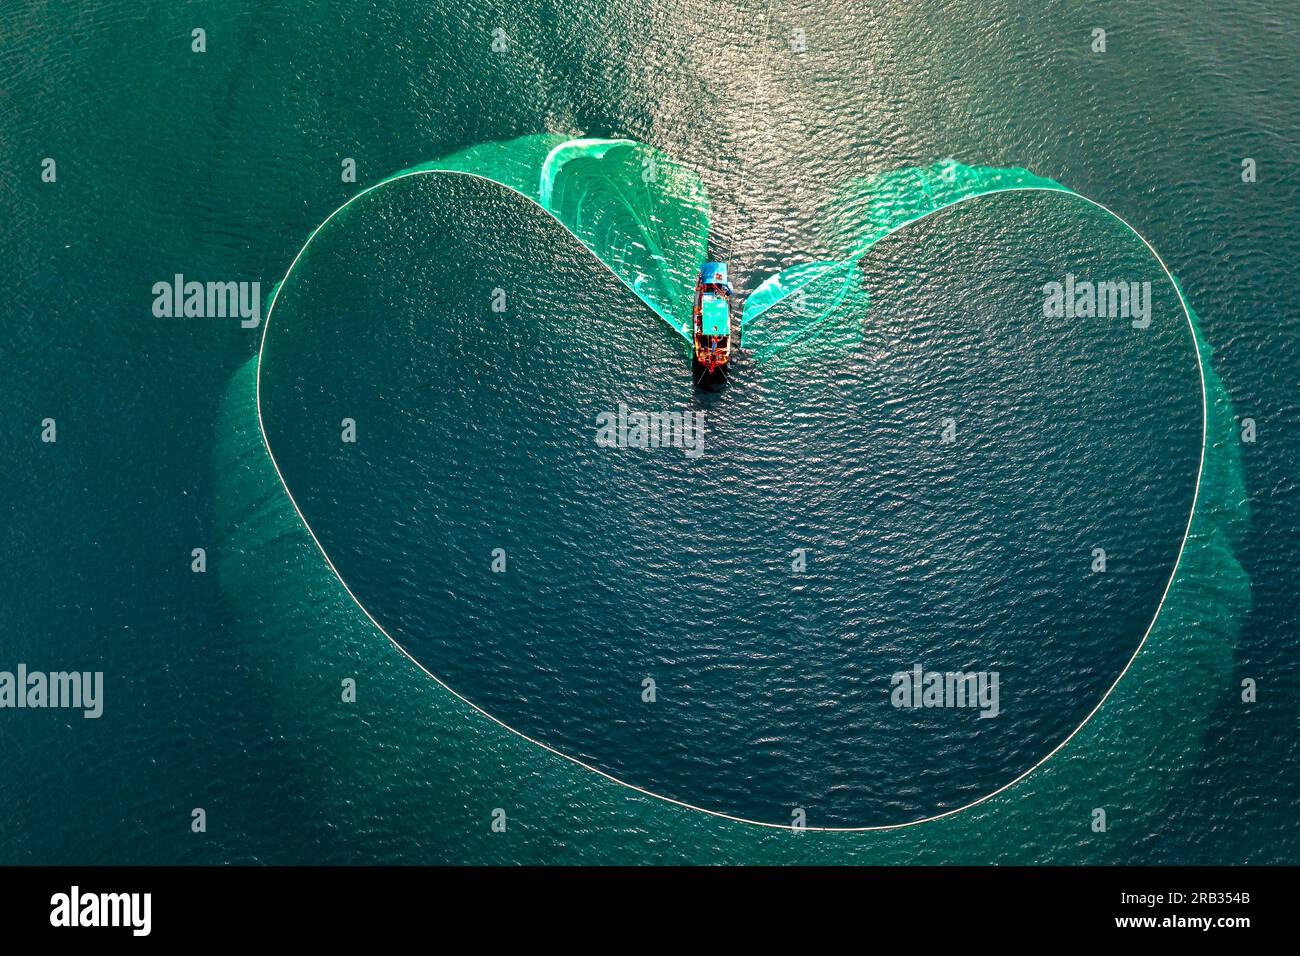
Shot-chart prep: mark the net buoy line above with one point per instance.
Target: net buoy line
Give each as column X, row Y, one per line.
column 856, row 255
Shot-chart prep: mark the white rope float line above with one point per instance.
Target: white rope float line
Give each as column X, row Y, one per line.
column 866, row 247
column 642, row 790
column 753, row 111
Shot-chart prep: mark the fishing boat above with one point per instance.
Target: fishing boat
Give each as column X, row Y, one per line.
column 712, row 321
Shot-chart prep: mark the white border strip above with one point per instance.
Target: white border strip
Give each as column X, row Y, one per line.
column 642, row 790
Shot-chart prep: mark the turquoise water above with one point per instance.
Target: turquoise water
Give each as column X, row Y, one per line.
column 223, row 688
column 476, row 431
